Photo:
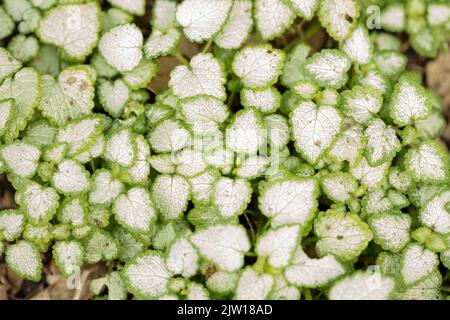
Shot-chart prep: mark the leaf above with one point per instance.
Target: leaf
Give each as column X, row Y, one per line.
column 23, row 258
column 136, row 7
column 202, row 19
column 203, row 185
column 231, row 197
column 68, row 257
column 169, row 136
column 361, row 103
column 434, row 213
column 224, row 245
column 135, row 210
column 40, row 133
column 140, row 171
column 24, row 48
column 122, row 47
column 438, row 14
column 245, row 132
column 391, row 230
column 427, row 163
column 20, row 158
column 11, row 224
column 314, row 129
column 6, row 107
column 272, row 18
column 73, row 211
column 266, row 100
column 182, row 258
column 278, row 130
column 25, row 88
column 369, row 176
column 105, row 188
column 306, row 89
column 293, row 68
column 196, row 291
column 283, row 291
column 292, row 200
column 410, row 102
column 171, row 194
column 338, row 186
column 375, row 80
column 121, row 148
column 358, row 46
column 204, row 114
column 163, row 163
column 342, row 234
column 328, row 68
column 139, row 77
column 8, row 64
column 391, row 63
column 100, row 246
column 95, row 151
column 252, row 167
column 374, row 202
column 426, row 289
column 278, row 245
column 258, row 66
column 71, row 178
column 8, row 25
column 205, row 75
column 393, row 17
column 163, row 15
column 39, row 204
column 146, row 275
column 161, row 43
column 189, row 163
column 417, row 263
column 399, row 179
column 304, row 8
column 312, row 273
column 425, row 43
column 114, row 96
column 382, row 143
column 350, row 145
column 71, row 96
column 338, row 17
column 238, row 26
column 363, row 286
column 80, row 134
column 253, row 286
column 72, row 27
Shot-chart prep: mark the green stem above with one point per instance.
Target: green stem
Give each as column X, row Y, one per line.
column 307, row 293
column 181, row 58
column 92, row 165
column 231, row 98
column 311, row 31
column 445, row 289
column 207, row 45
column 252, row 231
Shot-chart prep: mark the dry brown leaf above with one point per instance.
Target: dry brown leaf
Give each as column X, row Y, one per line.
column 438, row 77
column 166, row 65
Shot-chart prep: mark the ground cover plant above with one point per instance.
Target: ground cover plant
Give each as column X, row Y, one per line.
column 266, row 168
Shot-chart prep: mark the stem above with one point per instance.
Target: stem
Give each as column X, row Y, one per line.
column 445, row 289
column 231, row 98
column 181, row 58
column 252, row 231
column 250, row 254
column 307, row 293
column 92, row 166
column 311, row 31
column 207, row 45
